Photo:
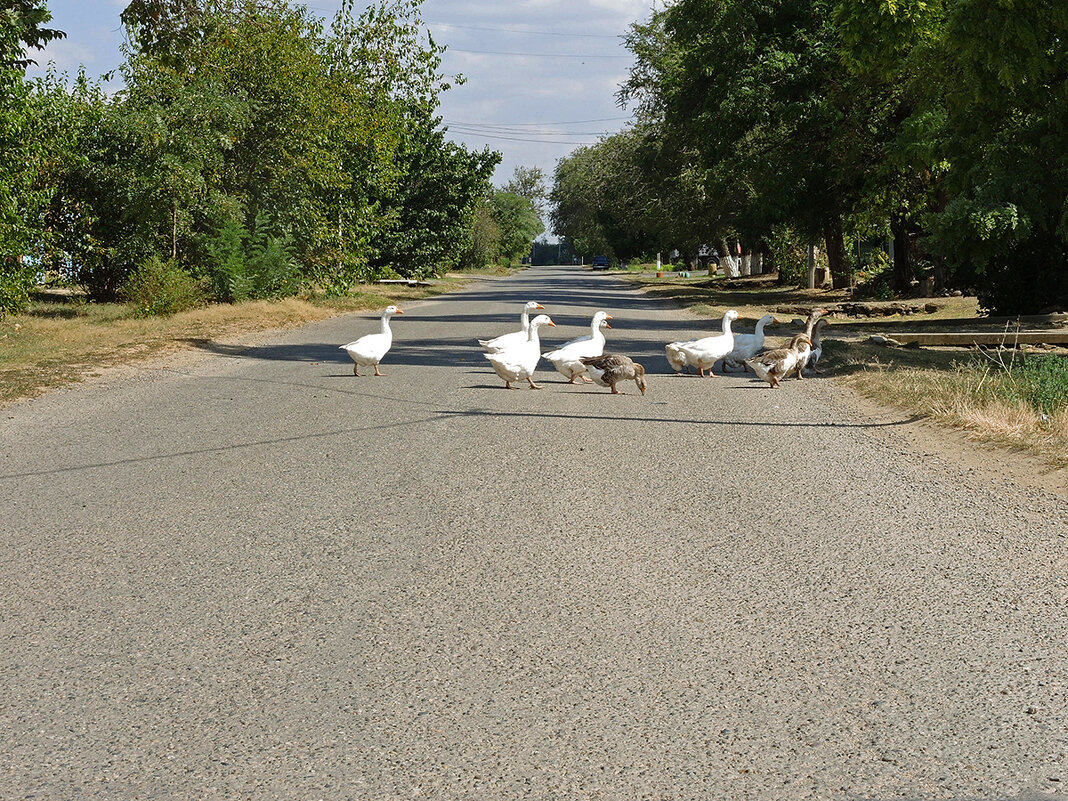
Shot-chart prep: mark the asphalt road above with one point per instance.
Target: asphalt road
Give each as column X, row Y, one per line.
column 254, row 575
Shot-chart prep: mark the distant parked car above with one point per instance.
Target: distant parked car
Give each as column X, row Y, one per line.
column 600, row 263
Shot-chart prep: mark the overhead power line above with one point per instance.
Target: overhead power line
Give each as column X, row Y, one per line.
column 533, row 55
column 539, row 124
column 525, row 31
column 488, row 129
column 521, row 139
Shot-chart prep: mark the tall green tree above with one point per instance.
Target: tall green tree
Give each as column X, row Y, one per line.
column 22, row 25
column 518, row 221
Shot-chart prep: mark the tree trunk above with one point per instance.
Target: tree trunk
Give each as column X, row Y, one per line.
column 757, row 266
column 747, row 263
column 730, row 267
column 903, row 273
column 836, row 255
column 811, row 283
column 941, row 274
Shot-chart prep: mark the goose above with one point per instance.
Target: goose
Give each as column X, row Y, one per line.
column 611, row 368
column 704, row 353
column 368, row 350
column 520, row 361
column 567, row 359
column 505, row 341
column 676, row 356
column 746, row 346
column 776, row 364
column 817, row 346
column 804, row 355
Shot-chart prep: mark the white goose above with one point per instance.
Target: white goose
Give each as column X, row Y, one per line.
column 520, row 361
column 369, row 350
column 746, row 346
column 676, row 356
column 567, row 359
column 704, row 353
column 505, row 341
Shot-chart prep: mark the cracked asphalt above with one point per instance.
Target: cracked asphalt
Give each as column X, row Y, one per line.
column 252, row 575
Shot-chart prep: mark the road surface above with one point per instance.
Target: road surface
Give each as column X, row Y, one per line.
column 254, row 575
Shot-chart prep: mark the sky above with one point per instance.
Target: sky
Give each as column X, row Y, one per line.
column 542, row 75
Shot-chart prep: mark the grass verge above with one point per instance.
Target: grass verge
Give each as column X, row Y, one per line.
column 62, row 340
column 1019, row 400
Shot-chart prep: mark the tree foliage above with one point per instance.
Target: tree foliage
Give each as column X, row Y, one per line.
column 255, row 147
column 21, row 147
column 938, row 123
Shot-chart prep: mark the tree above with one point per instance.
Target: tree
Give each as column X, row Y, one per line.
column 21, row 199
column 1004, row 226
column 22, row 25
column 758, row 95
column 529, row 182
column 517, row 221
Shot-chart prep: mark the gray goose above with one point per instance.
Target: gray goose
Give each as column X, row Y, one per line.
column 611, row 368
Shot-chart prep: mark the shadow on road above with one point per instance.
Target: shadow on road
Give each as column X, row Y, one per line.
column 434, row 417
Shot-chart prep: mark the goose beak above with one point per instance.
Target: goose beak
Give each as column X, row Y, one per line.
column 399, row 311
column 552, row 323
column 539, row 306
column 609, row 317
column 607, row 324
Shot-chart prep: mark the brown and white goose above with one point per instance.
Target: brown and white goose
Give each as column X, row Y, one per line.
column 804, row 355
column 611, row 368
column 817, row 346
column 777, row 364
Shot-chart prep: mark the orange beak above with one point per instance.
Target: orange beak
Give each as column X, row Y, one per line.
column 399, row 311
column 552, row 323
column 539, row 306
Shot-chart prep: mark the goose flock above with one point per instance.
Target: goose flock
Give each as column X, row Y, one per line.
column 515, row 355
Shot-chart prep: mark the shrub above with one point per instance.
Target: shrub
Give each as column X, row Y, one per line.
column 876, row 272
column 16, row 281
column 273, row 271
column 160, row 287
column 788, row 254
column 228, row 272
column 244, row 266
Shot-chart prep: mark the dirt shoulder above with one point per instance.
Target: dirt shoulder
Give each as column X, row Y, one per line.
column 984, row 462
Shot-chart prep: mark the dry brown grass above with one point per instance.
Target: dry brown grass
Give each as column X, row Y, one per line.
column 61, row 341
column 954, row 388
